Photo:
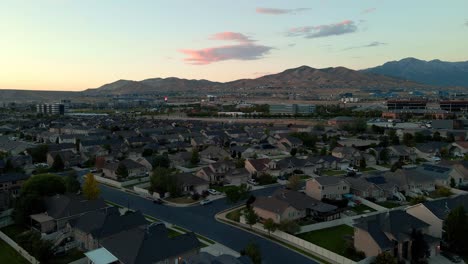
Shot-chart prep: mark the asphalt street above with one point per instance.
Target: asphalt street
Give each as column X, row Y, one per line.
column 200, row 219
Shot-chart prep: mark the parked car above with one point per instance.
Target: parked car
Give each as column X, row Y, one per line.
column 452, row 257
column 213, row 192
column 158, row 201
column 435, row 159
column 252, row 182
column 351, row 169
column 205, row 202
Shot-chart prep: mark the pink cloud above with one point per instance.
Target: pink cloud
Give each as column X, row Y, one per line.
column 239, row 37
column 278, row 11
column 369, row 10
column 340, row 28
column 246, row 49
column 206, row 56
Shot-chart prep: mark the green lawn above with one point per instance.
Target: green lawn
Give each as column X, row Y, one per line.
column 333, row 172
column 234, row 215
column 367, row 169
column 13, row 231
column 223, row 189
column 388, row 204
column 305, row 177
column 9, row 255
column 173, row 233
column 333, row 239
column 360, row 209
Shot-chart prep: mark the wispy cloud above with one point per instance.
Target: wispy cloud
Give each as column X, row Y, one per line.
column 279, row 11
column 234, row 36
column 340, row 28
column 369, row 10
column 245, row 49
column 370, row 45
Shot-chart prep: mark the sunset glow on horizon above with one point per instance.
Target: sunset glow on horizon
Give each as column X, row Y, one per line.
column 76, row 45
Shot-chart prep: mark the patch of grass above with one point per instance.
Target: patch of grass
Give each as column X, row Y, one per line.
column 440, row 192
column 223, row 189
column 204, row 239
column 13, row 231
column 367, row 169
column 234, row 215
column 333, row 172
column 305, row 177
column 388, row 204
column 9, row 255
column 181, row 200
column 333, row 238
column 361, row 209
column 173, row 233
column 301, row 251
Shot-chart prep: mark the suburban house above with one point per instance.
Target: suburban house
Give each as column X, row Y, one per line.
column 191, row 183
column 69, row 158
column 95, row 226
column 137, row 246
column 390, row 232
column 330, row 187
column 459, row 148
column 259, row 166
column 288, row 166
column 430, row 149
column 11, row 182
column 412, row 182
column 292, row 205
column 60, row 209
column 134, row 169
column 435, row 212
column 329, row 162
column 214, row 153
column 363, row 188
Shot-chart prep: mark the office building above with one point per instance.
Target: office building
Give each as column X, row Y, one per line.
column 51, row 109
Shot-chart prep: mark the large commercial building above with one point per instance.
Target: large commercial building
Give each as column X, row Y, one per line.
column 292, row 109
column 454, row 105
column 51, row 109
column 406, row 104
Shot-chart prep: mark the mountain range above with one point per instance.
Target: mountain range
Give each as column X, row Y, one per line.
column 406, row 73
column 302, row 77
column 434, row 72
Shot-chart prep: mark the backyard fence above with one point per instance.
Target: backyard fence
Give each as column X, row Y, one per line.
column 19, row 249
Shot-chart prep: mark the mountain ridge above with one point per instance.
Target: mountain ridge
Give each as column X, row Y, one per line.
column 433, row 72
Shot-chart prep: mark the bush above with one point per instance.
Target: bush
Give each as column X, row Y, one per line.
column 289, row 226
column 195, row 196
column 353, row 254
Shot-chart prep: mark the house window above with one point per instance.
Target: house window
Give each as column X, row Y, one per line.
column 344, row 187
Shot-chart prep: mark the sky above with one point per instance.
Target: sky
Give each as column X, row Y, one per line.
column 80, row 44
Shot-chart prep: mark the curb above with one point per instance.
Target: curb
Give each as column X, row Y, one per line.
column 230, row 223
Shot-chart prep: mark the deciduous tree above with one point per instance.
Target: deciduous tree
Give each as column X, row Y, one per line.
column 90, row 187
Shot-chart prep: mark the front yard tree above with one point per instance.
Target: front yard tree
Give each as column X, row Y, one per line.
column 195, row 157
column 362, row 163
column 385, row 258
column 33, row 190
column 90, row 187
column 270, row 225
column 71, row 183
column 161, row 161
column 253, row 252
column 294, row 182
column 293, row 152
column 456, row 230
column 58, row 163
column 122, row 171
column 251, row 217
column 419, row 247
